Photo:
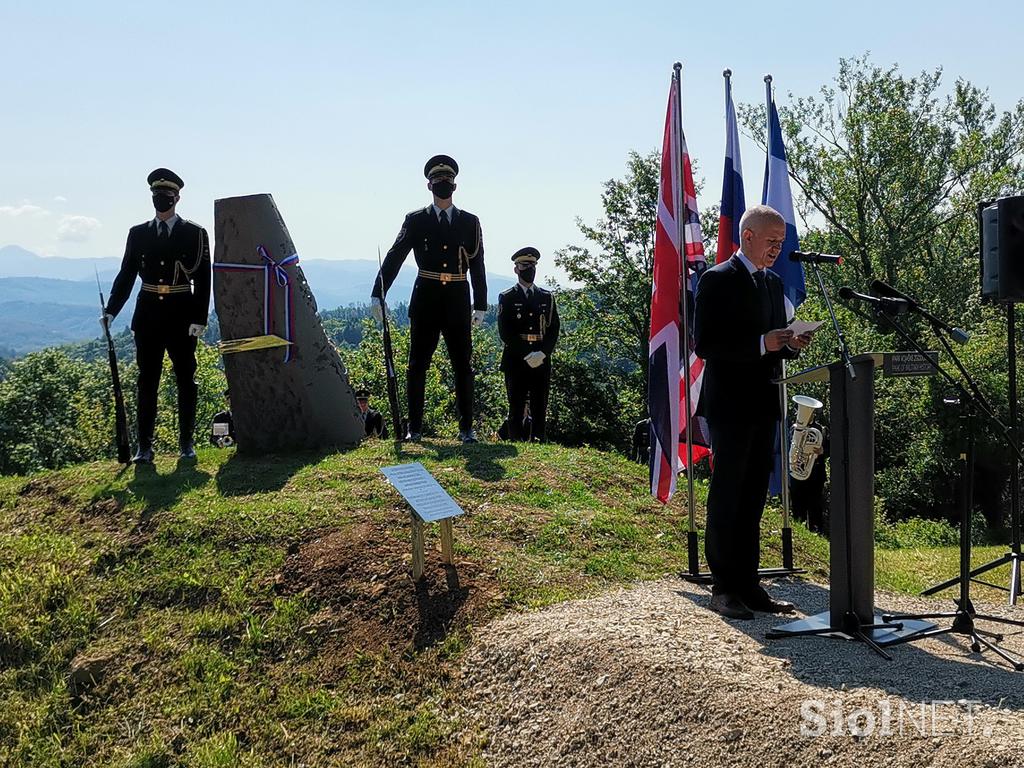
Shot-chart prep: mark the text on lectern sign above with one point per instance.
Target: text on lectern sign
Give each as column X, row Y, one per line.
column 908, row 363
column 427, row 498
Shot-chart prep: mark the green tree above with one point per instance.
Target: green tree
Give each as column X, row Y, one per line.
column 39, row 423
column 616, row 272
column 889, row 169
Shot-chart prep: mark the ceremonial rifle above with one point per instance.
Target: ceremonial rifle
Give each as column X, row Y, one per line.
column 389, row 357
column 124, row 450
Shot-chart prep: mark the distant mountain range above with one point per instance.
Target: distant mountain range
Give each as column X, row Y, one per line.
column 48, row 300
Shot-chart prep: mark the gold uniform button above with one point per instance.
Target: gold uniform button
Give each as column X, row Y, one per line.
column 160, row 280
column 160, row 297
column 445, row 264
column 445, row 248
column 161, row 263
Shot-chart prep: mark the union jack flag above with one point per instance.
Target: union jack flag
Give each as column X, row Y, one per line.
column 666, row 394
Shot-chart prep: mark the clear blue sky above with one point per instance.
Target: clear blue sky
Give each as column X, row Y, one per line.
column 333, row 107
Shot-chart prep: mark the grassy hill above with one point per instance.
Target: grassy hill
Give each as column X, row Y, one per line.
column 251, row 612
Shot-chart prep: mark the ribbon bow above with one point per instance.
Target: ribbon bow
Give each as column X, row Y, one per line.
column 283, row 280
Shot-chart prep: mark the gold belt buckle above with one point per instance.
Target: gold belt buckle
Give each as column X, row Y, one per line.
column 164, row 290
column 445, row 277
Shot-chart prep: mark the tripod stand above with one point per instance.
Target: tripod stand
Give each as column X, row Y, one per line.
column 964, row 617
column 1014, row 557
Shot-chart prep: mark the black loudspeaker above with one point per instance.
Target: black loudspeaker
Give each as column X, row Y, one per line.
column 1001, row 225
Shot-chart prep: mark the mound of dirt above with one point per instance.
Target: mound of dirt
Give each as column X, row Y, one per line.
column 650, row 677
column 361, row 578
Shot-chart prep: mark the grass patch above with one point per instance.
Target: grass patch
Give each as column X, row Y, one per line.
column 170, row 584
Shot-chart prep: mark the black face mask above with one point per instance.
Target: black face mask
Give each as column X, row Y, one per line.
column 527, row 274
column 163, row 203
column 443, row 189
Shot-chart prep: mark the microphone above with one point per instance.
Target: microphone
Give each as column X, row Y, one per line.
column 959, row 335
column 813, row 257
column 887, row 304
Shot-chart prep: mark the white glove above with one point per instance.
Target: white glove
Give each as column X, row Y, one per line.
column 534, row 359
column 105, row 320
column 196, row 330
column 478, row 316
column 377, row 309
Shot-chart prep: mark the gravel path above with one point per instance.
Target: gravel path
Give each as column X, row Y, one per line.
column 649, row 676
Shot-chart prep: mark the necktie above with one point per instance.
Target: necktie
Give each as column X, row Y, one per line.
column 163, row 230
column 764, row 298
column 443, row 220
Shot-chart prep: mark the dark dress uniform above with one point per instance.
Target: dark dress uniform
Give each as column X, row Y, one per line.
column 175, row 272
column 450, row 257
column 373, row 420
column 527, row 322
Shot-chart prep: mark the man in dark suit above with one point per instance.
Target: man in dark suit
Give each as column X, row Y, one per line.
column 740, row 332
column 528, row 325
column 372, row 419
column 449, row 251
column 172, row 256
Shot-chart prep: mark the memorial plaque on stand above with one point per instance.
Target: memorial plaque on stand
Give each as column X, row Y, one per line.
column 429, row 502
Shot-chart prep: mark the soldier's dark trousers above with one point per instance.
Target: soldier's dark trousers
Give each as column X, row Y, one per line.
column 425, row 330
column 149, row 353
column 523, row 383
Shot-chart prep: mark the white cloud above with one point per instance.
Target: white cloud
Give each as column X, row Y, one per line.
column 25, row 209
column 60, row 199
column 76, row 229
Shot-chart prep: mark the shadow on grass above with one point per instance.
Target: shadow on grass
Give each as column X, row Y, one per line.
column 161, row 491
column 481, row 459
column 241, row 475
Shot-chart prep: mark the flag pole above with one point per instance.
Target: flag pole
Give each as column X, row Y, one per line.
column 787, row 526
column 679, row 204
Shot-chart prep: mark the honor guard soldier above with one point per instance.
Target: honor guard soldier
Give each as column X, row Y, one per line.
column 449, row 251
column 373, row 420
column 172, row 256
column 528, row 325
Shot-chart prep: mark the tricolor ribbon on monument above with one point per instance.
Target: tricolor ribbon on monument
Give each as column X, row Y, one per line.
column 273, row 272
column 675, row 373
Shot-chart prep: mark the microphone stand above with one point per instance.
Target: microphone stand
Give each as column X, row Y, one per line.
column 843, row 350
column 964, row 617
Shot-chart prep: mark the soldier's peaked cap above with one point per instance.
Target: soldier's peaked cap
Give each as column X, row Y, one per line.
column 526, row 254
column 440, row 165
column 362, row 394
column 162, row 178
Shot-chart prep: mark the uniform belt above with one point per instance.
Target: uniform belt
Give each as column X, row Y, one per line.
column 531, row 336
column 164, row 290
column 444, row 277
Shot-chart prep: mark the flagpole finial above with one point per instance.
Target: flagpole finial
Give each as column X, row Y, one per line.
column 768, row 78
column 677, row 66
column 726, row 73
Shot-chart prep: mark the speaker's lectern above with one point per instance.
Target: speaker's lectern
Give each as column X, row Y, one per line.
column 851, row 611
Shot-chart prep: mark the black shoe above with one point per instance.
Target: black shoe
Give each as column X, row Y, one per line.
column 468, row 436
column 413, row 437
column 759, row 600
column 730, row 606
column 188, row 451
column 143, row 456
